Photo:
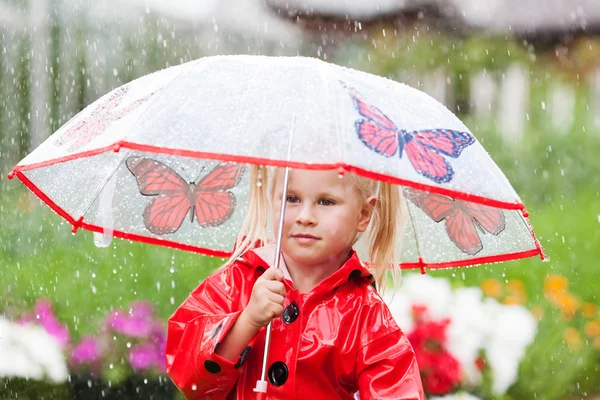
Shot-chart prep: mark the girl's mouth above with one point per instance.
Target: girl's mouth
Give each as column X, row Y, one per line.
column 303, row 238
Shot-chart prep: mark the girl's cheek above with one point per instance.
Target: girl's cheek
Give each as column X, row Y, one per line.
column 288, row 219
column 335, row 229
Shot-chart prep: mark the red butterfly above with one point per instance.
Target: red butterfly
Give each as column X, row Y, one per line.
column 104, row 114
column 423, row 148
column 462, row 218
column 209, row 199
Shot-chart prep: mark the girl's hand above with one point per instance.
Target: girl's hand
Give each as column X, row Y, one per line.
column 266, row 300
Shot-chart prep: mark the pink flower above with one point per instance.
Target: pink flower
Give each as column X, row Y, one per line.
column 139, row 323
column 142, row 310
column 143, row 356
column 87, row 351
column 159, row 339
column 43, row 314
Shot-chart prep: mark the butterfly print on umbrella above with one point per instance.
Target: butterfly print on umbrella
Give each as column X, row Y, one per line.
column 209, row 199
column 425, row 148
column 104, row 114
column 462, row 218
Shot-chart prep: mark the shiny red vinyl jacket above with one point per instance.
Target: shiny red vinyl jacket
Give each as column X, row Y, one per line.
column 337, row 340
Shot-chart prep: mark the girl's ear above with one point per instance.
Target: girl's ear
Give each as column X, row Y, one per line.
column 366, row 213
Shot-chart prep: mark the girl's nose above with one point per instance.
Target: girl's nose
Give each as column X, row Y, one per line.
column 306, row 216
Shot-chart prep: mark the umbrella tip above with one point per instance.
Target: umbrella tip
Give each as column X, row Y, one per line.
column 421, row 266
column 76, row 225
column 11, row 174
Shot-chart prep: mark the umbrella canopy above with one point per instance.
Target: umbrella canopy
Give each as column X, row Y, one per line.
column 164, row 158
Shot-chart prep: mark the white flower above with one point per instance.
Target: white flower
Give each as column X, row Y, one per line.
column 476, row 324
column 400, row 307
column 468, row 330
column 419, row 290
column 30, row 352
column 513, row 329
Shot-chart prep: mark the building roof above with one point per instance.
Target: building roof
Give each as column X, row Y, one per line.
column 525, row 17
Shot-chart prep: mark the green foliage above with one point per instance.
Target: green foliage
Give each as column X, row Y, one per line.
column 24, row 389
column 42, row 258
column 23, row 85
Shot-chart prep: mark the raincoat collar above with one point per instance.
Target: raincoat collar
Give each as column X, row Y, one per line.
column 352, row 270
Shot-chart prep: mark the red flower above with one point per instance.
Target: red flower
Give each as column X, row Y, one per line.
column 480, row 363
column 419, row 312
column 429, row 334
column 440, row 371
column 442, row 375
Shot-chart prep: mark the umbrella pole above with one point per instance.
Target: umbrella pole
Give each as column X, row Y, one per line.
column 261, row 385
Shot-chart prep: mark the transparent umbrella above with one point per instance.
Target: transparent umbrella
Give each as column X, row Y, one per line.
column 163, row 158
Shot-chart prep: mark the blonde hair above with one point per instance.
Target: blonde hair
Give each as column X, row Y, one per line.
column 386, row 225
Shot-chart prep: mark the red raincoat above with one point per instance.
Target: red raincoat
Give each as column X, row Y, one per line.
column 330, row 343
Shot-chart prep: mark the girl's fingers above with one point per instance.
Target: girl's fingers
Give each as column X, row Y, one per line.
column 275, row 298
column 273, row 274
column 276, row 287
column 277, row 310
column 267, row 297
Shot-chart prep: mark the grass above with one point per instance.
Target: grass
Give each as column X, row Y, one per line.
column 42, row 258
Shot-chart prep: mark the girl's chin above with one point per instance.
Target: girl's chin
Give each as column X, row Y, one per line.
column 304, row 256
column 308, row 259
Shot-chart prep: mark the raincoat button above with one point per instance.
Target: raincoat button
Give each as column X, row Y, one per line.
column 290, row 313
column 354, row 274
column 278, row 373
column 212, row 367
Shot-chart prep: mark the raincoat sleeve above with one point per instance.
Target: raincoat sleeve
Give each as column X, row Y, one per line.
column 387, row 365
column 195, row 330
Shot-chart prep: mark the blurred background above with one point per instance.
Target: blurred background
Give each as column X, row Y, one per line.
column 524, row 76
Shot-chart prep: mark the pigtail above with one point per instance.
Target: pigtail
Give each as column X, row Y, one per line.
column 255, row 225
column 385, row 228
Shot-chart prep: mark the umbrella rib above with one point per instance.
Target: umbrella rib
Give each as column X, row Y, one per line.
column 152, row 99
column 412, row 222
column 140, row 118
column 327, row 77
column 110, row 176
column 528, row 227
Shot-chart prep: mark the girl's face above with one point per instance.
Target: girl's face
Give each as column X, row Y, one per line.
column 323, row 215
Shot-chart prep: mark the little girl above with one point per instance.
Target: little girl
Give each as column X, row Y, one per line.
column 332, row 335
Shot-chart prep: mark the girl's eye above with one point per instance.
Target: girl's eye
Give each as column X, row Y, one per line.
column 292, row 199
column 326, row 202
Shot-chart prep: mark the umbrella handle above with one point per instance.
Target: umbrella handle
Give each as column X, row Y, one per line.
column 261, row 390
